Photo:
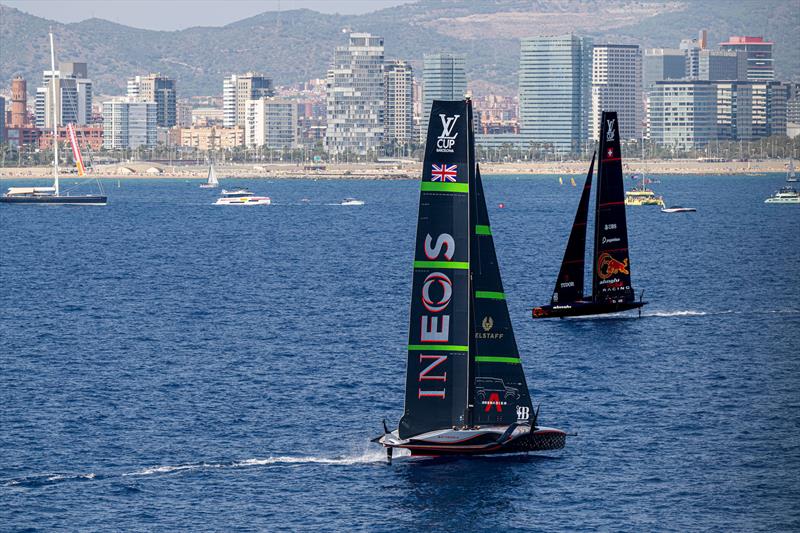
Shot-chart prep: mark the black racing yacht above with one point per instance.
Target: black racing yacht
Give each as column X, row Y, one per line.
column 466, row 392
column 612, row 290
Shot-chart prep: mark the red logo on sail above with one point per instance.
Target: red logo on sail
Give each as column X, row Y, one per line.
column 494, row 400
column 607, row 266
column 444, row 172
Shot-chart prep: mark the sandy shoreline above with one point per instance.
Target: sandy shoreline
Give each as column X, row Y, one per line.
column 405, row 170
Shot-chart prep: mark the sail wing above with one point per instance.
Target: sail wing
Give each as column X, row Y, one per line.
column 612, row 269
column 569, row 285
column 76, row 150
column 499, row 390
column 438, row 341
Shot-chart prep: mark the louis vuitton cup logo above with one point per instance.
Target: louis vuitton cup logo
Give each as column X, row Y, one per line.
column 446, row 141
column 610, row 130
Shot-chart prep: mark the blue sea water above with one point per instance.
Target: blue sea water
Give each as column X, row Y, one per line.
column 172, row 365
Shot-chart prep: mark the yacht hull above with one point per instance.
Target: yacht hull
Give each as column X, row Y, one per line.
column 489, row 441
column 581, row 308
column 55, row 200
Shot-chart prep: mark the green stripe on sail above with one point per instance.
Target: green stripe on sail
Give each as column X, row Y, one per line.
column 444, row 187
column 483, row 230
column 438, row 347
column 458, row 265
column 493, row 359
column 490, row 295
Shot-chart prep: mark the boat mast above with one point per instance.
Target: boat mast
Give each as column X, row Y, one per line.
column 54, row 117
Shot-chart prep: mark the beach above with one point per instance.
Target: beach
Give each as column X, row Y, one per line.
column 408, row 169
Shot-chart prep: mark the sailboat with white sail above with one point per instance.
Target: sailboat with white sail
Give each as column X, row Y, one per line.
column 466, row 392
column 54, row 195
column 211, row 182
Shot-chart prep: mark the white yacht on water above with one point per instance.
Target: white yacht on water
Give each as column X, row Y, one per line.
column 786, row 195
column 242, row 197
column 212, row 182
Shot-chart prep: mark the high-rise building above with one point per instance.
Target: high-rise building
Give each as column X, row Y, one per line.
column 19, row 103
column 722, row 65
column 617, row 86
column 443, row 78
column 554, row 91
column 660, row 64
column 237, row 90
column 271, row 122
column 129, row 123
column 399, row 98
column 793, row 110
column 691, row 49
column 73, row 96
column 2, row 119
column 682, row 114
column 747, row 110
column 355, row 96
column 159, row 89
column 759, row 56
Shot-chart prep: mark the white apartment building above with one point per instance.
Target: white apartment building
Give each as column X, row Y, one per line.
column 128, row 123
column 271, row 122
column 617, row 86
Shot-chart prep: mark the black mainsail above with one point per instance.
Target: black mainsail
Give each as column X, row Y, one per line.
column 465, row 387
column 612, row 290
column 612, row 275
column 438, row 337
column 569, row 284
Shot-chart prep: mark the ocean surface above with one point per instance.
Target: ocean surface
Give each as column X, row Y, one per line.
column 169, row 365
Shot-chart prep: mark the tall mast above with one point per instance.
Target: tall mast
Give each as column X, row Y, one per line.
column 54, row 117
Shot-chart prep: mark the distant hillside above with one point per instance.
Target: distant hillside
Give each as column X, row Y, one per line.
column 297, row 45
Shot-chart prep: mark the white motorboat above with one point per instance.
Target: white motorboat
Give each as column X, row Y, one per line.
column 786, row 195
column 242, row 197
column 352, row 201
column 678, row 209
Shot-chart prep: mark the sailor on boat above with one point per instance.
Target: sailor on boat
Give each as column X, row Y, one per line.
column 612, row 290
column 466, row 392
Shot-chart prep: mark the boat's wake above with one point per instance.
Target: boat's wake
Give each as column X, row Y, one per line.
column 40, row 480
column 681, row 314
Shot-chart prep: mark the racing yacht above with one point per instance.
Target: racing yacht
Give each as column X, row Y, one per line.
column 612, row 290
column 466, row 392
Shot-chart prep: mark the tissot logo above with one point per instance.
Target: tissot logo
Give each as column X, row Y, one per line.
column 446, row 140
column 610, row 131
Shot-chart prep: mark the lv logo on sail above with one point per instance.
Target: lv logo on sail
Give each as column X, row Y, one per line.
column 446, row 141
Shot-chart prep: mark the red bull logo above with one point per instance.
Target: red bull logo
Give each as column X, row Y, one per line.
column 607, row 266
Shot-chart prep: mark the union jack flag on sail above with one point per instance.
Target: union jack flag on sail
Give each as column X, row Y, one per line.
column 444, row 172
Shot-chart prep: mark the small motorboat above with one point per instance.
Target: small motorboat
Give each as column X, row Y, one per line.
column 786, row 195
column 352, row 201
column 678, row 209
column 242, row 197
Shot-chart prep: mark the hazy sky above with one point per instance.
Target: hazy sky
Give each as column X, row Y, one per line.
column 179, row 14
